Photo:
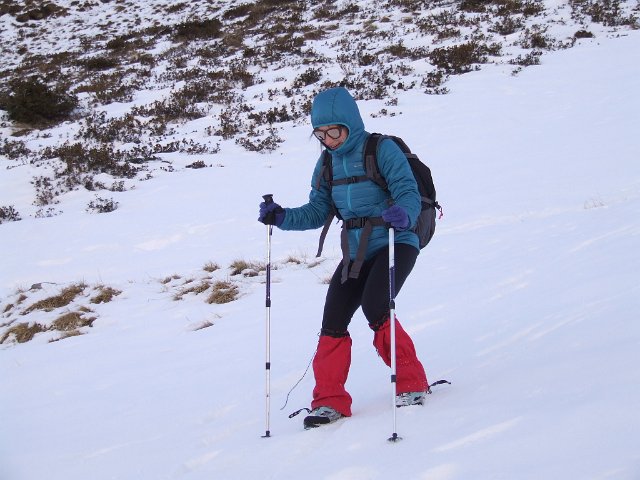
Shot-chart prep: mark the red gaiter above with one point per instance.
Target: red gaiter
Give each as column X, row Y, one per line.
column 331, row 368
column 410, row 376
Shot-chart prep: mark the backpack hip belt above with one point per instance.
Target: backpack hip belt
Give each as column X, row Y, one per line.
column 360, row 222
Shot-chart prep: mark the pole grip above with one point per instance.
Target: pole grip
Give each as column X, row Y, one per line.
column 268, row 198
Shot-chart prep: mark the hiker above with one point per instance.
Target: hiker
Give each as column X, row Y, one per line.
column 338, row 126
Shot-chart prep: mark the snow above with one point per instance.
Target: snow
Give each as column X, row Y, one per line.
column 527, row 300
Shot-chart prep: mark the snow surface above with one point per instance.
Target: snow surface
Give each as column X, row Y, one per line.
column 527, row 300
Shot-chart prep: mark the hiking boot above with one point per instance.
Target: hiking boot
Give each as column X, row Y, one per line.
column 410, row 398
column 321, row 416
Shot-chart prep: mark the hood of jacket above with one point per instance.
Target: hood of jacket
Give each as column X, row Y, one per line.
column 336, row 106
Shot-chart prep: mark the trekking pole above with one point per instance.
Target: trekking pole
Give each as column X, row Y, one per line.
column 268, row 199
column 392, row 320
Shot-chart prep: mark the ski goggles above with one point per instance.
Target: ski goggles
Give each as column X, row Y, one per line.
column 333, row 132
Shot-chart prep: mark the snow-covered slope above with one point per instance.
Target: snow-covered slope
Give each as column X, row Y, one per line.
column 527, row 300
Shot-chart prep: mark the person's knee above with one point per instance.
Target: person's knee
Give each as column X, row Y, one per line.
column 375, row 316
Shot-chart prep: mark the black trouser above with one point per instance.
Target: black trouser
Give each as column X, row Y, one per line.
column 369, row 291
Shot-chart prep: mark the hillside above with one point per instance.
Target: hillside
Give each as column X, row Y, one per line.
column 148, row 87
column 132, row 284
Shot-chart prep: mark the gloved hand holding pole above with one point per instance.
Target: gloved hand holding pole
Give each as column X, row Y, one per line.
column 270, row 212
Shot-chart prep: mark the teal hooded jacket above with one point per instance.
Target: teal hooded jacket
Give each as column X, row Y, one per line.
column 364, row 199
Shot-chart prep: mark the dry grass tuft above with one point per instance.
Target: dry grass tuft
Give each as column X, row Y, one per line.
column 71, row 321
column 211, row 267
column 66, row 296
column 248, row 269
column 68, row 323
column 23, row 332
column 201, row 287
column 223, row 292
column 105, row 294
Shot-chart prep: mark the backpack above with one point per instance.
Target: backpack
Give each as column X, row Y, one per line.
column 426, row 222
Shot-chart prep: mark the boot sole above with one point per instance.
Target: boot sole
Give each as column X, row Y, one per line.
column 315, row 422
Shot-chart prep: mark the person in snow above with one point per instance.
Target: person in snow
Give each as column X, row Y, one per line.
column 337, row 124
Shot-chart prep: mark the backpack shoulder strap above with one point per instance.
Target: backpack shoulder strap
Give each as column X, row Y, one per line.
column 371, row 159
column 326, row 171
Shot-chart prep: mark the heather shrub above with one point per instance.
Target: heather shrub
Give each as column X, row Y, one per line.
column 9, row 214
column 35, row 103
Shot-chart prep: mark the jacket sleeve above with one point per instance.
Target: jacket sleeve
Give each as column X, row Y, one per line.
column 394, row 167
column 314, row 213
